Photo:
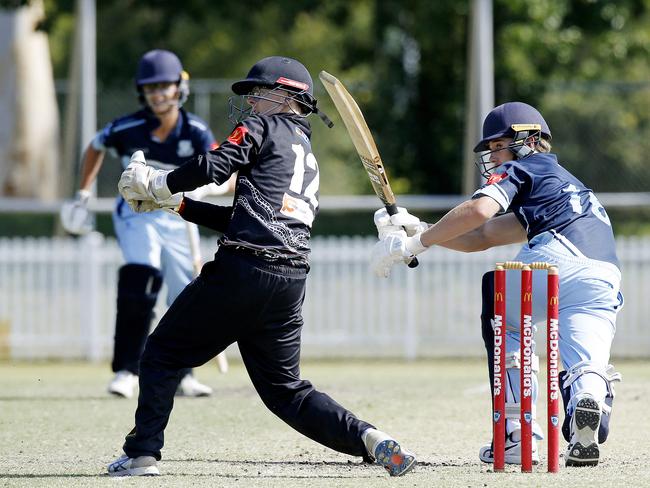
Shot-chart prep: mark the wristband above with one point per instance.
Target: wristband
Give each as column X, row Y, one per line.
column 414, row 245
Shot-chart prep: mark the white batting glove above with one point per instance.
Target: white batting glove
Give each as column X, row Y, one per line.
column 75, row 216
column 394, row 248
column 172, row 204
column 141, row 182
column 402, row 220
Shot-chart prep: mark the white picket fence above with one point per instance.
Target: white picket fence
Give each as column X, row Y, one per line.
column 57, row 300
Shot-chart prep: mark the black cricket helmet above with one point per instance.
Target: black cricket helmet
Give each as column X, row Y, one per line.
column 280, row 72
column 516, row 120
column 161, row 66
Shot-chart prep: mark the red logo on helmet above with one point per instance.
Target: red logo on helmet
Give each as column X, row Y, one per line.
column 237, row 136
column 296, row 84
column 495, row 178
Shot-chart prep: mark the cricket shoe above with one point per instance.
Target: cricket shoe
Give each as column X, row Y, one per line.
column 139, row 466
column 512, row 451
column 387, row 452
column 190, row 387
column 123, row 384
column 583, row 449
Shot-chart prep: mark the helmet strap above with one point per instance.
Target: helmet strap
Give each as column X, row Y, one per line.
column 323, row 116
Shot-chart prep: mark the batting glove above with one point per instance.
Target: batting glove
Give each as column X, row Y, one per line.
column 394, row 248
column 141, row 182
column 402, row 220
column 75, row 216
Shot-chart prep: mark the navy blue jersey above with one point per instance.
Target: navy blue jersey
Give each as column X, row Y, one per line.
column 545, row 197
column 276, row 197
column 133, row 132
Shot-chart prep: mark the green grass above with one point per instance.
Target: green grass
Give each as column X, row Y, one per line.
column 59, row 428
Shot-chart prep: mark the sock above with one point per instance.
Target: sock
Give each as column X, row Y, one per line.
column 371, row 439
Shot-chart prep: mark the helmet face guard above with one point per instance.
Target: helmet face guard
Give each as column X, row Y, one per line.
column 523, row 135
column 239, row 106
column 275, row 73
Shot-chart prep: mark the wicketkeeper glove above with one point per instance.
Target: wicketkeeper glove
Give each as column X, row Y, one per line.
column 172, row 204
column 394, row 248
column 402, row 220
column 75, row 216
column 141, row 182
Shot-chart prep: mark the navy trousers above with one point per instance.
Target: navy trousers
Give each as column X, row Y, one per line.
column 244, row 299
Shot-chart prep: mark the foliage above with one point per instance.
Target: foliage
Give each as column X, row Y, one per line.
column 584, row 63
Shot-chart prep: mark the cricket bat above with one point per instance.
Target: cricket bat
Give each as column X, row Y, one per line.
column 363, row 142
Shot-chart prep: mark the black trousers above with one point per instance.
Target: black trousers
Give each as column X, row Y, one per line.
column 244, row 299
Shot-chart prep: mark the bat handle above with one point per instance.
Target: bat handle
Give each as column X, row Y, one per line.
column 392, row 210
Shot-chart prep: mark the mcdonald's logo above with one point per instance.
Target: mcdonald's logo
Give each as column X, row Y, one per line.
column 498, row 297
column 528, row 296
column 554, row 300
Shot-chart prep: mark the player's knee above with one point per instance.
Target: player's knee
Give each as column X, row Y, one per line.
column 285, row 400
column 137, row 288
column 161, row 355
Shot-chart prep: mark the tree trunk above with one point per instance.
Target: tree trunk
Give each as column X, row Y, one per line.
column 29, row 128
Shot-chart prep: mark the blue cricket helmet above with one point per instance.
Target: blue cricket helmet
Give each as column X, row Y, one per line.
column 509, row 119
column 159, row 66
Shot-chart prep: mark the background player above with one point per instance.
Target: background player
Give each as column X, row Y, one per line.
column 154, row 245
column 253, row 291
column 530, row 197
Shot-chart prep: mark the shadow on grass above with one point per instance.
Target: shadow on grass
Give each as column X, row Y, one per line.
column 351, row 464
column 48, row 475
column 45, row 398
column 306, row 470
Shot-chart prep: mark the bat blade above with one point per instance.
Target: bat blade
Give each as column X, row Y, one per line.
column 361, row 137
column 363, row 142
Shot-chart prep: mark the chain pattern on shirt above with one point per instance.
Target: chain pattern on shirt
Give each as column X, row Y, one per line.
column 297, row 242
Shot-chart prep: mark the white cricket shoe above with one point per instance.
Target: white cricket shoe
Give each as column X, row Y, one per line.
column 583, row 449
column 512, row 451
column 190, row 387
column 140, row 466
column 123, row 384
column 387, row 452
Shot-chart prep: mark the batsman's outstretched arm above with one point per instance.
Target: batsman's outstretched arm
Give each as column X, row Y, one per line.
column 498, row 231
column 460, row 220
column 396, row 247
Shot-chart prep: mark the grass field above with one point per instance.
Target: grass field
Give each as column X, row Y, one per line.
column 59, row 428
